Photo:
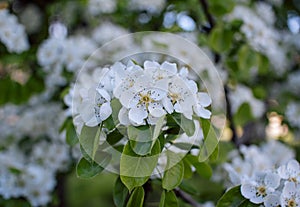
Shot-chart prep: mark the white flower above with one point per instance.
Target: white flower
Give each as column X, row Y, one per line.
column 145, row 102
column 293, row 82
column 96, row 7
column 154, row 7
column 290, row 196
column 12, row 34
column 77, row 50
column 290, row 172
column 203, row 100
column 272, row 200
column 261, row 185
column 108, row 31
column 91, row 98
column 180, row 97
column 293, row 113
column 51, row 52
column 239, row 171
column 262, row 36
column 95, row 108
column 277, row 152
column 243, row 94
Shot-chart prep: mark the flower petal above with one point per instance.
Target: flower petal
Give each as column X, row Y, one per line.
column 138, row 114
column 105, row 111
column 204, row 99
column 151, row 65
column 272, row 200
column 169, row 67
column 272, row 180
column 202, row 112
column 104, row 94
column 156, row 109
column 126, row 98
column 248, row 191
column 167, row 103
column 123, row 116
column 87, row 113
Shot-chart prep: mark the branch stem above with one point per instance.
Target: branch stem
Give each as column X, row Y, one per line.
column 187, row 198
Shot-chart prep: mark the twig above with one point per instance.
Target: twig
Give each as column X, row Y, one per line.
column 60, row 188
column 209, row 17
column 186, row 197
column 230, row 117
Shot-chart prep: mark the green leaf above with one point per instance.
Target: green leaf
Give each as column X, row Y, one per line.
column 114, row 137
column 243, row 115
column 187, row 125
column 140, row 139
column 135, row 169
column 168, row 199
column 85, row 155
column 202, row 168
column 158, row 127
column 215, row 155
column 210, row 140
column 220, row 39
column 187, row 169
column 86, row 169
column 247, row 59
column 71, row 135
column 220, row 8
column 120, row 193
column 116, row 106
column 173, row 176
column 234, row 198
column 89, row 139
column 264, row 64
column 137, row 198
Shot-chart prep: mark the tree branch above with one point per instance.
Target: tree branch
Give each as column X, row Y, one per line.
column 209, row 17
column 229, row 116
column 186, row 197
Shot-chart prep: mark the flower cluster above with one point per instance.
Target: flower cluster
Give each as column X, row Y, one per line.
column 96, row 7
column 267, row 174
column 60, row 51
column 32, row 151
column 258, row 28
column 145, row 92
column 256, row 158
column 12, row 34
column 293, row 113
column 276, row 187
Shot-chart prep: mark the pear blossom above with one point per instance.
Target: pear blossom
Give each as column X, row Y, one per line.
column 145, row 93
column 179, row 98
column 261, row 185
column 290, row 171
column 12, row 33
column 96, row 7
column 290, row 196
column 272, row 200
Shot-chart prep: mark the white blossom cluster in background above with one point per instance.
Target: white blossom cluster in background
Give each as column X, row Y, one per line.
column 145, row 92
column 256, row 158
column 242, row 94
column 276, row 187
column 293, row 83
column 267, row 174
column 96, row 7
column 32, row 151
column 154, row 7
column 293, row 114
column 258, row 28
column 12, row 33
